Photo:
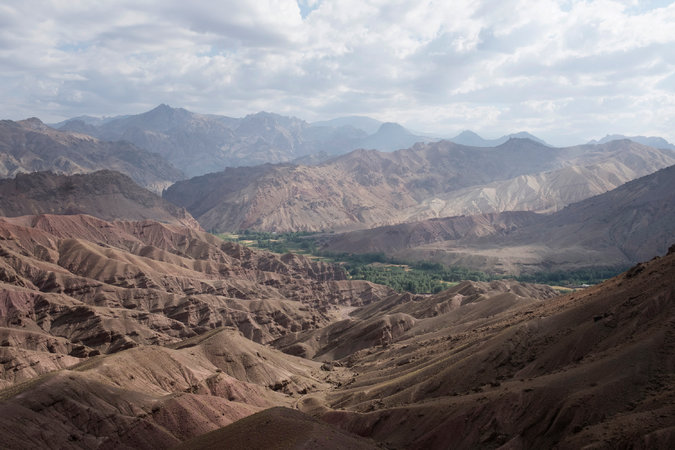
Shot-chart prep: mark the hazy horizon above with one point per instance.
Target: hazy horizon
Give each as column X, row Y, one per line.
column 565, row 71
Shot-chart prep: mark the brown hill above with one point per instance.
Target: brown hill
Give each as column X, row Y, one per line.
column 592, row 368
column 368, row 188
column 104, row 194
column 393, row 239
column 284, row 428
column 139, row 335
column 631, row 223
column 31, row 146
column 152, row 396
column 107, row 286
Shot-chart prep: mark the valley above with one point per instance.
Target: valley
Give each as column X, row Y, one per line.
column 436, row 295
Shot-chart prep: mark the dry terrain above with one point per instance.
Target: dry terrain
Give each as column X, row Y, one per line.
column 145, row 335
column 628, row 224
column 364, row 189
column 104, row 194
column 30, row 146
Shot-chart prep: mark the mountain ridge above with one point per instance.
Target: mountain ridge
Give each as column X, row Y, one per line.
column 366, row 188
column 31, row 146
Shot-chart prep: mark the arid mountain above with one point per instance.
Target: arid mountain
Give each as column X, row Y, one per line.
column 141, row 335
column 366, row 124
column 204, row 143
column 369, row 188
column 472, row 139
column 156, row 324
column 652, row 141
column 31, row 146
column 395, row 239
column 631, row 223
column 135, row 283
column 593, row 368
column 104, row 194
column 542, row 192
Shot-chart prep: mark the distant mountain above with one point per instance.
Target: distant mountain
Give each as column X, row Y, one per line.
column 366, row 124
column 31, row 146
column 474, row 140
column 104, row 194
column 203, row 143
column 87, row 120
column 367, row 188
column 652, row 141
column 391, row 136
column 631, row 223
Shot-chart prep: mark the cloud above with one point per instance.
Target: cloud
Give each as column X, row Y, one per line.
column 566, row 70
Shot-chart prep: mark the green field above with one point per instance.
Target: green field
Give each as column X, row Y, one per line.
column 420, row 277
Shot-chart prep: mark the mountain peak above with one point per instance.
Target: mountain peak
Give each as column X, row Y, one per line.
column 33, row 123
column 393, row 127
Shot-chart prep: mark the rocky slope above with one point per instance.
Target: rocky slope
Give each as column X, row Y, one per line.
column 31, row 146
column 108, row 286
column 104, row 194
column 367, row 188
column 141, row 335
column 621, row 227
column 592, row 368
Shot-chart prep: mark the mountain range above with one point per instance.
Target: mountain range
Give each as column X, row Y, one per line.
column 471, row 139
column 621, row 227
column 124, row 324
column 364, row 189
column 652, row 141
column 203, row 143
column 30, row 146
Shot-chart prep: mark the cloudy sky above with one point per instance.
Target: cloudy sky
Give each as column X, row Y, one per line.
column 567, row 71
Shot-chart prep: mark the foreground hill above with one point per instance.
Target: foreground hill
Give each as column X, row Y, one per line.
column 203, row 143
column 104, row 194
column 31, row 146
column 368, row 188
column 146, row 335
column 631, row 223
column 592, row 368
column 113, row 285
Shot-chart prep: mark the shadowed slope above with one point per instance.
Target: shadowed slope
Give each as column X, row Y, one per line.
column 590, row 368
column 279, row 428
column 31, row 146
column 152, row 396
column 104, row 194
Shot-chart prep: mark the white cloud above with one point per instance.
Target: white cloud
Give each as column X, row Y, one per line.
column 566, row 70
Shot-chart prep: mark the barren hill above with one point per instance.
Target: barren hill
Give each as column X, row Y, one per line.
column 368, row 188
column 146, row 335
column 487, row 366
column 31, row 146
column 104, row 194
column 631, row 223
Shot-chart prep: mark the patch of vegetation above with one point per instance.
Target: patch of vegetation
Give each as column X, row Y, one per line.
column 421, row 277
column 579, row 277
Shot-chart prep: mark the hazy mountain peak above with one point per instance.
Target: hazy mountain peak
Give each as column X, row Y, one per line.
column 468, row 137
column 393, row 127
column 652, row 141
column 33, row 123
column 364, row 123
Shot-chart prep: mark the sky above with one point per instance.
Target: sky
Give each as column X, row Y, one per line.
column 566, row 71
